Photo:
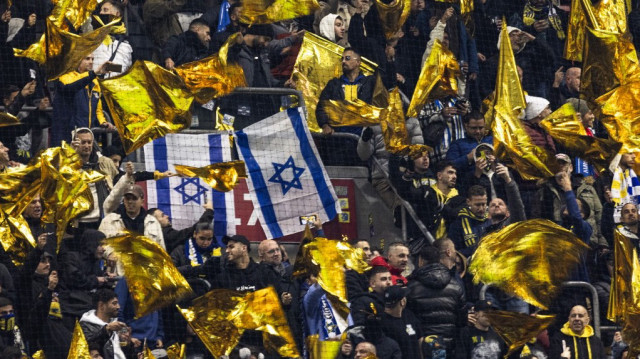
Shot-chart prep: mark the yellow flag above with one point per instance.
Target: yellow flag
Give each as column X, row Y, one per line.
column 212, row 77
column 393, row 16
column 79, row 348
column 320, row 349
column 270, row 11
column 176, row 351
column 146, row 103
column 438, row 78
column 517, row 329
column 319, row 60
column 466, row 7
column 631, row 332
column 222, row 177
column 566, row 129
column 15, row 237
column 352, row 113
column 221, row 316
column 510, row 259
column 72, row 12
column 153, row 281
column 19, row 186
column 38, row 355
column 147, row 354
column 512, row 144
column 65, row 193
column 394, row 129
column 621, row 280
column 7, row 119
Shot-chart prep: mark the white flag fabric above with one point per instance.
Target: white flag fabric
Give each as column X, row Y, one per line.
column 285, row 174
column 182, row 198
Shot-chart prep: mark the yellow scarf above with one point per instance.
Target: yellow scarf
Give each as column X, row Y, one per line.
column 443, row 199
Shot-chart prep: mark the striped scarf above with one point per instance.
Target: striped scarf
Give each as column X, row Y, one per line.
column 529, row 17
column 625, row 186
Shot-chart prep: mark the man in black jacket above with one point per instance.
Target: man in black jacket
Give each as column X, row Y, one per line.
column 437, row 297
column 191, row 45
column 379, row 281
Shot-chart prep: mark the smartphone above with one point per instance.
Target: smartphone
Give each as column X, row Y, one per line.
column 308, row 219
column 32, row 74
column 113, row 67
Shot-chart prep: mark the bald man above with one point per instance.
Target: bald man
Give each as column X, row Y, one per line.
column 364, row 350
column 576, row 339
column 566, row 85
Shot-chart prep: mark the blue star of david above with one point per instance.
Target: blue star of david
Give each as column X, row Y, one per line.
column 287, row 185
column 185, row 185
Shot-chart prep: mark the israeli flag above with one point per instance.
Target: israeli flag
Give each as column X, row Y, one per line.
column 286, row 177
column 182, row 198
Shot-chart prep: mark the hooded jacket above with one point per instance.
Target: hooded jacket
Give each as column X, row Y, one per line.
column 95, row 330
column 327, row 28
column 438, row 300
column 223, row 274
column 467, row 231
column 583, row 346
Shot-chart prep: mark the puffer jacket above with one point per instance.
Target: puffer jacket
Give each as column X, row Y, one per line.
column 438, row 300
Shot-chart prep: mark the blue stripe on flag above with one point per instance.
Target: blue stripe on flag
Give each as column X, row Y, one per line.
column 313, row 164
column 218, row 198
column 163, row 187
column 259, row 185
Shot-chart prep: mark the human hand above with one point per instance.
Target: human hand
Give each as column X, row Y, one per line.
column 297, row 36
column 159, row 343
column 400, row 78
column 390, row 52
column 169, row 174
column 290, row 83
column 53, row 280
column 44, row 103
column 136, row 342
column 42, row 240
column 286, row 298
column 31, row 20
column 447, row 15
column 472, row 318
column 449, row 112
column 169, row 64
column 346, row 348
column 129, row 168
column 558, row 77
column 6, row 16
column 481, row 57
column 327, row 130
column 103, row 68
column 207, row 205
column 524, row 37
column 115, row 326
column 541, row 25
column 414, row 31
column 563, row 180
column 503, row 172
column 317, row 223
column 473, row 76
column 108, row 125
column 481, row 164
column 566, row 352
column 28, row 89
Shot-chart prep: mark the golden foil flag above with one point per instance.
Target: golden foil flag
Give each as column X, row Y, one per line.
column 631, row 332
column 393, row 16
column 65, row 193
column 270, row 11
column 320, row 349
column 212, row 77
column 438, row 79
column 147, row 354
column 146, row 103
column 567, row 130
column 16, row 237
column 352, row 113
column 19, row 186
column 38, row 355
column 510, row 259
column 61, row 51
column 606, row 15
column 79, row 348
column 72, row 12
column 176, row 351
column 621, row 280
column 394, row 129
column 153, row 281
column 7, row 119
column 221, row 316
column 303, row 265
column 516, row 329
column 319, row 60
column 466, row 7
column 222, row 177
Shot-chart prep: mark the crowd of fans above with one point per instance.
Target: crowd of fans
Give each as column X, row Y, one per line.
column 417, row 300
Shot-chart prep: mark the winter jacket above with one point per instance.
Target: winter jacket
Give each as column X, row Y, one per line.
column 356, row 283
column 466, row 231
column 95, row 330
column 516, row 209
column 581, row 229
column 160, row 19
column 459, row 149
column 183, row 48
column 438, row 300
column 361, row 306
column 335, row 90
column 112, row 225
column 585, row 346
column 396, row 274
column 123, row 55
column 539, row 136
column 174, row 237
column 225, row 275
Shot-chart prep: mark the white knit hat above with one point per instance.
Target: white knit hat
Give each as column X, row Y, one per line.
column 535, row 106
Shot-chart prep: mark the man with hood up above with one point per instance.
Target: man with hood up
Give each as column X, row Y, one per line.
column 577, row 339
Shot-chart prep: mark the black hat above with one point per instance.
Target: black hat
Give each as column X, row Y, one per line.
column 484, row 305
column 237, row 238
column 394, row 294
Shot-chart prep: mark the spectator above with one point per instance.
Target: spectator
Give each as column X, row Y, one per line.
column 32, row 214
column 78, row 98
column 332, row 27
column 500, row 212
column 537, row 109
column 587, row 118
column 197, row 250
column 467, row 230
column 411, row 46
column 565, row 85
column 400, row 324
column 462, row 152
column 15, row 33
column 161, row 20
column 629, row 223
column 148, row 329
column 118, row 52
column 480, row 340
column 366, row 248
column 218, row 39
column 397, row 262
column 173, row 237
column 9, row 336
column 365, row 350
column 437, row 297
column 99, row 325
column 357, row 283
column 576, row 338
column 547, row 22
column 191, row 45
column 4, row 158
column 379, row 280
column 440, row 205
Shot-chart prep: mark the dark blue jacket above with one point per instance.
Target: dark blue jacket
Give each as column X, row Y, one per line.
column 458, row 150
column 582, row 229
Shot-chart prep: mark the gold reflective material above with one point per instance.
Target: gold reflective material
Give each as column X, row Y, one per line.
column 38, row 355
column 153, row 281
column 147, row 354
column 352, row 113
column 394, row 131
column 212, row 77
column 320, row 349
column 176, row 351
column 302, row 265
column 65, row 193
column 319, row 60
column 92, row 176
column 621, row 283
column 18, row 187
column 466, row 6
column 222, row 177
column 270, row 11
column 146, row 103
column 221, row 316
column 72, row 12
column 566, row 129
column 393, row 16
column 516, row 329
column 7, row 119
column 438, row 78
column 115, row 30
column 79, row 348
column 16, row 237
column 510, row 259
column 631, row 332
column 512, row 144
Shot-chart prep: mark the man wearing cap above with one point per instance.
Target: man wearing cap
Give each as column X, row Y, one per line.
column 462, row 152
column 399, row 323
column 130, row 214
column 480, row 340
